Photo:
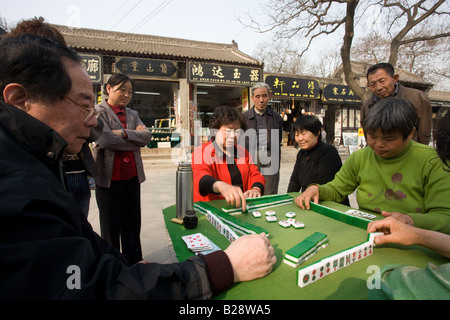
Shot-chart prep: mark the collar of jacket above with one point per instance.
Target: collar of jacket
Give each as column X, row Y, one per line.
column 107, row 112
column 308, row 153
column 252, row 112
column 117, row 109
column 217, row 151
column 36, row 137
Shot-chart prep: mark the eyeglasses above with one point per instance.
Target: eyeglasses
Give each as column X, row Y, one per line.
column 91, row 111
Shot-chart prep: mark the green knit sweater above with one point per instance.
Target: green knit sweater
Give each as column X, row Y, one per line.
column 413, row 182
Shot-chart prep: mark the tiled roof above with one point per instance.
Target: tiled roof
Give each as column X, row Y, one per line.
column 118, row 43
column 439, row 96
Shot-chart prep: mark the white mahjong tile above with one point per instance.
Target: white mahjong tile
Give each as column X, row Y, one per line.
column 256, row 214
column 373, row 235
column 291, row 221
column 358, row 213
column 270, row 213
column 271, row 218
column 306, row 276
column 347, row 255
column 284, row 224
column 314, row 272
column 337, row 262
column 328, row 263
column 290, row 214
column 298, row 225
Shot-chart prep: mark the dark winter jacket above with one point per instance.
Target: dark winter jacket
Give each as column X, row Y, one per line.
column 48, row 249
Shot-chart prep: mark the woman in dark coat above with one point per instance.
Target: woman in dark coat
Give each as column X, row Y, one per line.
column 317, row 162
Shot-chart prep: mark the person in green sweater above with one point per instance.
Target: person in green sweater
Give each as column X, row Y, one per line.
column 409, row 282
column 396, row 176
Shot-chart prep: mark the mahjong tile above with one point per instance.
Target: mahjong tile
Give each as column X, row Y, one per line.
column 290, row 214
column 284, row 224
column 256, row 214
column 298, row 225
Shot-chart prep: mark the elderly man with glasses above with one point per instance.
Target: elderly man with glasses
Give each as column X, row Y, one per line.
column 48, row 249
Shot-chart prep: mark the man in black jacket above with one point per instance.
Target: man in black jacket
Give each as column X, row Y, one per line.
column 48, row 249
column 265, row 136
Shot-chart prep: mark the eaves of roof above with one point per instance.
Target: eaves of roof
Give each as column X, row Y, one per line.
column 129, row 44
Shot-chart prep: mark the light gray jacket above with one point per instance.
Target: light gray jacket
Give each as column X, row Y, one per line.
column 108, row 143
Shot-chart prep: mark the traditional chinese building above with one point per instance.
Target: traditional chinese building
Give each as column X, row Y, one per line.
column 327, row 98
column 176, row 82
column 335, row 104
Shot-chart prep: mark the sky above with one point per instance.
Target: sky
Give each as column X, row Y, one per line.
column 202, row 20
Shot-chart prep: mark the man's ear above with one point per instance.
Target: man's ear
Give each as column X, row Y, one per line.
column 412, row 133
column 15, row 95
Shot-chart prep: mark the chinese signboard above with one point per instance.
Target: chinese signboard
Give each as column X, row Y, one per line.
column 293, row 87
column 223, row 74
column 340, row 94
column 146, row 67
column 92, row 63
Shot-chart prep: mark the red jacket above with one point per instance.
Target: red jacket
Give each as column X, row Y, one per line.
column 209, row 164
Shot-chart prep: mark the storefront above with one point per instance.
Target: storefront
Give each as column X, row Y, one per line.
column 343, row 119
column 440, row 105
column 213, row 85
column 155, row 97
column 177, row 82
column 293, row 96
column 337, row 107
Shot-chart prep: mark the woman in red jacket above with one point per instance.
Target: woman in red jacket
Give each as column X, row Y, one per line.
column 222, row 169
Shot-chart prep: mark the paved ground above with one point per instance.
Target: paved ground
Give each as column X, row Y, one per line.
column 158, row 192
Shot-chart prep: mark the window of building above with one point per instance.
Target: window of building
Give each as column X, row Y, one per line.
column 350, row 118
column 155, row 101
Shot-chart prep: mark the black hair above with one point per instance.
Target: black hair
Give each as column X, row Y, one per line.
column 310, row 123
column 442, row 138
column 225, row 115
column 39, row 27
column 382, row 65
column 36, row 63
column 117, row 78
column 391, row 115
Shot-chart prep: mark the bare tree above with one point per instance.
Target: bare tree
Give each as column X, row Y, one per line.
column 312, row 19
column 423, row 57
column 3, row 26
column 327, row 62
column 280, row 57
column 365, row 50
column 410, row 16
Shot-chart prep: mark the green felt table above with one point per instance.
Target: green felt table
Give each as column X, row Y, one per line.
column 347, row 283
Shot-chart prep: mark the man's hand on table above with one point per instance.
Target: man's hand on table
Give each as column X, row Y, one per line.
column 251, row 256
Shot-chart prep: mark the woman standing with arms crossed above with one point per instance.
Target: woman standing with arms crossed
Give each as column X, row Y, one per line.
column 118, row 158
